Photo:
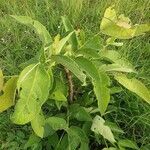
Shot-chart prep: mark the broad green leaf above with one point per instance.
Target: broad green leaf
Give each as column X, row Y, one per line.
column 38, row 124
column 79, row 112
column 57, row 123
column 71, row 65
column 1, row 80
column 99, row 127
column 111, row 41
column 76, row 137
column 120, row 27
column 69, row 28
column 134, row 85
column 37, row 26
column 103, row 96
column 7, row 99
column 127, row 143
column 60, row 44
column 34, row 84
column 99, row 80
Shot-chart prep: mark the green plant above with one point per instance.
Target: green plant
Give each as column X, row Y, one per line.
column 58, row 106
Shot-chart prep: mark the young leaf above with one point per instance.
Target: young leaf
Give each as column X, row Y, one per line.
column 76, row 137
column 38, row 124
column 120, row 27
column 7, row 99
column 1, row 80
column 37, row 26
column 34, row 84
column 61, row 43
column 134, row 85
column 71, row 65
column 110, row 148
column 100, row 82
column 69, row 28
column 99, row 127
column 57, row 123
column 127, row 143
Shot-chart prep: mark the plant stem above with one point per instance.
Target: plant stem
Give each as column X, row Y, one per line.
column 70, row 84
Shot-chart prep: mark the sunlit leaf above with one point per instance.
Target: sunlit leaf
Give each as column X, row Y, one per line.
column 134, row 85
column 38, row 124
column 99, row 127
column 37, row 26
column 120, row 27
column 34, row 84
column 7, row 99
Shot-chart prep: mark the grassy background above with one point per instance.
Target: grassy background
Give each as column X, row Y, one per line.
column 18, row 44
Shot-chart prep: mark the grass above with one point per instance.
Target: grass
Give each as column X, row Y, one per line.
column 18, row 44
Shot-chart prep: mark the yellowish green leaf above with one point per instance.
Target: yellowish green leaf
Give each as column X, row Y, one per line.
column 7, row 99
column 134, row 85
column 1, row 80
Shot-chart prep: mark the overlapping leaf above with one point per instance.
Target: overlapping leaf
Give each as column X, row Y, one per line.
column 34, row 84
column 100, row 82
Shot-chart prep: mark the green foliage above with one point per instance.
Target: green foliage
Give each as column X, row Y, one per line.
column 120, row 26
column 35, row 82
column 7, row 99
column 44, row 100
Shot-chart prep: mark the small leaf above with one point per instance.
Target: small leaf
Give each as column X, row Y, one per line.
column 7, row 99
column 61, row 43
column 1, row 80
column 34, row 83
column 57, row 123
column 99, row 127
column 78, row 112
column 127, row 143
column 135, row 86
column 120, row 27
column 71, row 65
column 38, row 125
column 69, row 28
column 37, row 26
